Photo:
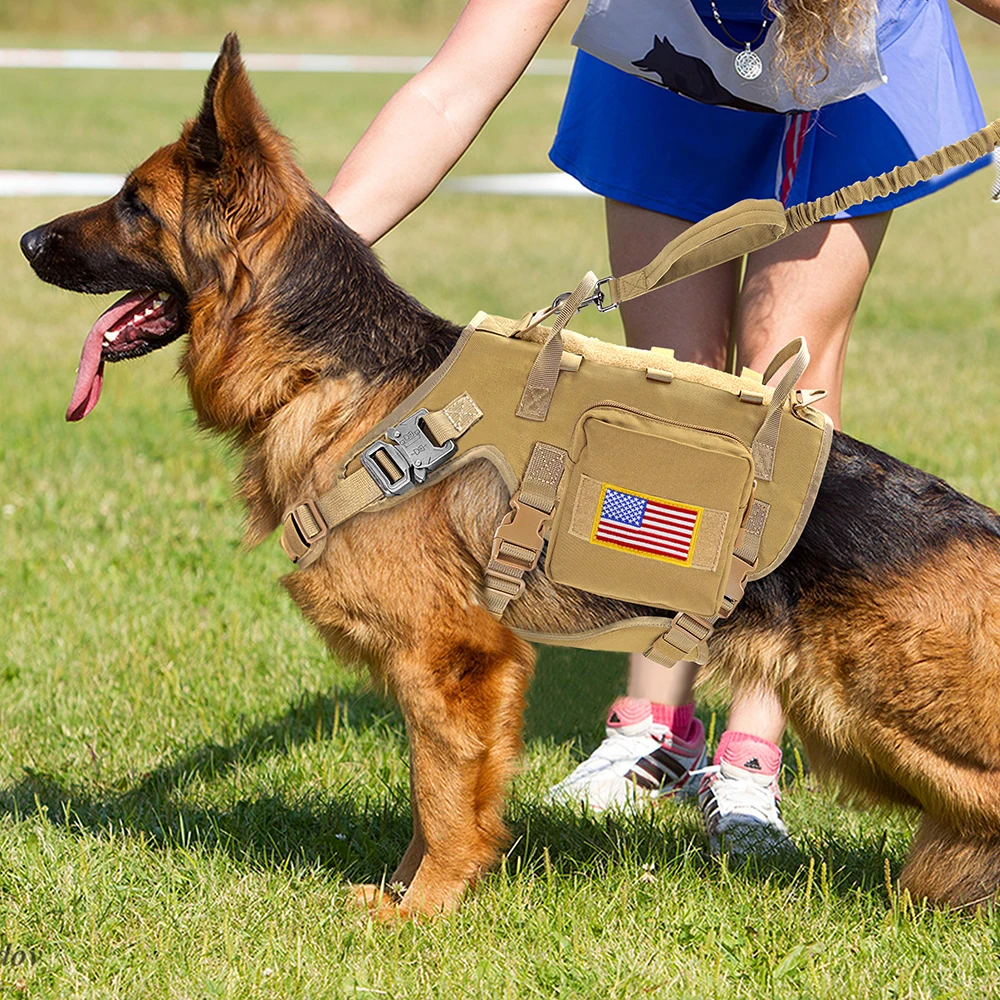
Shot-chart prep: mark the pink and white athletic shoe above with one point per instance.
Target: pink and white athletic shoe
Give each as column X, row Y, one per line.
column 638, row 762
column 739, row 799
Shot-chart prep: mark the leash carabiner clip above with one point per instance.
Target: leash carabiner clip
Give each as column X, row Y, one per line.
column 597, row 299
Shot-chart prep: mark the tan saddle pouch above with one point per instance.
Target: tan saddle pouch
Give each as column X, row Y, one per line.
column 651, row 509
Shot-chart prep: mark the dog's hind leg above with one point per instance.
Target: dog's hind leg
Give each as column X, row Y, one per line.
column 463, row 700
column 948, row 868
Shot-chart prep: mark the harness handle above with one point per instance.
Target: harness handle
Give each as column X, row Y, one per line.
column 744, row 227
column 541, row 382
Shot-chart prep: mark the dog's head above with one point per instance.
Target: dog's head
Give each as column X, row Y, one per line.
column 188, row 238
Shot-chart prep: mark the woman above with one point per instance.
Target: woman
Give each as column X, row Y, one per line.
column 675, row 109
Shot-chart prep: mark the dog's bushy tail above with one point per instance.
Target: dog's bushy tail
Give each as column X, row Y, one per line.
column 951, row 869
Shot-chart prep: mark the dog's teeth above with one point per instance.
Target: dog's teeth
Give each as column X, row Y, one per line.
column 161, row 297
column 111, row 335
column 149, row 311
column 137, row 318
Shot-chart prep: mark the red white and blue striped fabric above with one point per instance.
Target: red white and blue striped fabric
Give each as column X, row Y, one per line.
column 792, row 142
column 648, row 526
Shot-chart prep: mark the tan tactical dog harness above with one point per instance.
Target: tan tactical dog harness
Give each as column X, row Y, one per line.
column 648, row 480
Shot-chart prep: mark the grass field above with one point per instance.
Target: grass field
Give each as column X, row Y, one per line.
column 187, row 781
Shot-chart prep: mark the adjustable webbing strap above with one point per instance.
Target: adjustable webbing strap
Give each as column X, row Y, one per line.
column 389, row 467
column 452, row 420
column 681, row 640
column 765, row 441
column 687, row 633
column 519, row 538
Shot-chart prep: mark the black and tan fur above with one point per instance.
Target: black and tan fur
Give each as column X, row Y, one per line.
column 881, row 631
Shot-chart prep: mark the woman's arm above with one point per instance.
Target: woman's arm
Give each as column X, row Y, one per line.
column 431, row 120
column 988, row 8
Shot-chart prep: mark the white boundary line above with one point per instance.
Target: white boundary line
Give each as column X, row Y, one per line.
column 39, row 183
column 32, row 183
column 257, row 62
column 551, row 183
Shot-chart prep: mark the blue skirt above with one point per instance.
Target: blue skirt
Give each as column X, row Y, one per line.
column 633, row 141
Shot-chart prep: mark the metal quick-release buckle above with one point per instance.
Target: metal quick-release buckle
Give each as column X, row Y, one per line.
column 409, row 451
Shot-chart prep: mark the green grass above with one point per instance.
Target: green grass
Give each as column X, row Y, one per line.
column 187, row 780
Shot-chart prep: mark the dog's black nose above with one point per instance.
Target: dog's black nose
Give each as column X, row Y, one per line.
column 33, row 241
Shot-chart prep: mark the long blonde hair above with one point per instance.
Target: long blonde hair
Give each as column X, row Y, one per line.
column 807, row 28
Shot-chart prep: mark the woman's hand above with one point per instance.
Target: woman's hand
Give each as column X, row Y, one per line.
column 431, row 120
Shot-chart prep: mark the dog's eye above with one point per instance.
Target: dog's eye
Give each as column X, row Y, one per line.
column 132, row 204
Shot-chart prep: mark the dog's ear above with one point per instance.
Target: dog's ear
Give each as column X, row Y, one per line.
column 232, row 124
column 203, row 139
column 232, row 142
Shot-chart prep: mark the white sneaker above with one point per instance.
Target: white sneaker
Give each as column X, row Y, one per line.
column 638, row 762
column 741, row 812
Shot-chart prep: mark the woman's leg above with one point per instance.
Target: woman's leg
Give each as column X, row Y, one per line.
column 808, row 285
column 694, row 317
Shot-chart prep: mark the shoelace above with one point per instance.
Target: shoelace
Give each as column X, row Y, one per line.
column 708, row 769
column 772, row 789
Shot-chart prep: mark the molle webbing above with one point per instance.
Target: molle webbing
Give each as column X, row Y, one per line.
column 519, row 538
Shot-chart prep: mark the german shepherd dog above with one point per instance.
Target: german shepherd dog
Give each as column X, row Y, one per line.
column 880, row 632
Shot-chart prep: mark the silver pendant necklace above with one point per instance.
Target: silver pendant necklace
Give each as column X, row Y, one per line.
column 747, row 63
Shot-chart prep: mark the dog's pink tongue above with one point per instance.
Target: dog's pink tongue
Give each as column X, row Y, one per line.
column 90, row 374
column 89, row 377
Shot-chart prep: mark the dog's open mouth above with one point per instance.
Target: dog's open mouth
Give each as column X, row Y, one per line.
column 136, row 324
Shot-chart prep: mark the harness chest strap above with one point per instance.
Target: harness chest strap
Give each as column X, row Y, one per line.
column 389, row 467
column 519, row 538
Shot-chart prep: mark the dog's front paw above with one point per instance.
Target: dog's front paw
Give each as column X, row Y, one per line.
column 376, row 900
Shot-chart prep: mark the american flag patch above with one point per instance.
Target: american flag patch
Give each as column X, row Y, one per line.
column 645, row 525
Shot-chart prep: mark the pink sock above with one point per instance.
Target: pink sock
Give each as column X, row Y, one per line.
column 626, row 711
column 679, row 719
column 748, row 752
